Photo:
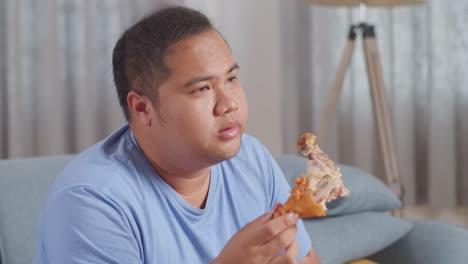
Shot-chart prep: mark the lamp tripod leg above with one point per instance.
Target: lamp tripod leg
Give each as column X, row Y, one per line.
column 382, row 116
column 332, row 104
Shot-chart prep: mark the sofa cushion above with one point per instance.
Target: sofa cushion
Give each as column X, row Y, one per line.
column 429, row 242
column 24, row 184
column 349, row 237
column 367, row 192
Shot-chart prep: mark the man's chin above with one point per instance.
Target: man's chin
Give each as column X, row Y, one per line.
column 232, row 153
column 228, row 150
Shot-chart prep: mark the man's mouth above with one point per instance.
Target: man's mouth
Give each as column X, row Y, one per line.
column 229, row 131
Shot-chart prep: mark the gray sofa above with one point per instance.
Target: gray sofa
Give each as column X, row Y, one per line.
column 24, row 184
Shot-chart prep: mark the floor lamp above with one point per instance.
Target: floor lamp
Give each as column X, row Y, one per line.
column 382, row 116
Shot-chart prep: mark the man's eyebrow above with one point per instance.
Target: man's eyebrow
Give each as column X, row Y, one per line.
column 233, row 67
column 198, row 79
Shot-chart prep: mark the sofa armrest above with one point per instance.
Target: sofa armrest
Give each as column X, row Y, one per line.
column 24, row 184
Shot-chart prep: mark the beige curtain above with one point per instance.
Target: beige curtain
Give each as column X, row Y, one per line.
column 56, row 82
column 424, row 53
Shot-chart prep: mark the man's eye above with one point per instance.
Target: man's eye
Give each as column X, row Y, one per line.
column 202, row 89
column 232, row 78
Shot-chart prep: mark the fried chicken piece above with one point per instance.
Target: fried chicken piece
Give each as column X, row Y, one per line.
column 321, row 184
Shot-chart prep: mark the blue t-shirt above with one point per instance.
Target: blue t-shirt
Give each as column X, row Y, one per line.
column 109, row 205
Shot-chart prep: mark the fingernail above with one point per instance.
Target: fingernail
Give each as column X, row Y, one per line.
column 293, row 217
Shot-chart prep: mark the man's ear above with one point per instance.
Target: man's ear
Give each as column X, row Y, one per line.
column 139, row 107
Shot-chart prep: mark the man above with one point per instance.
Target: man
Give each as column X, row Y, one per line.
column 181, row 183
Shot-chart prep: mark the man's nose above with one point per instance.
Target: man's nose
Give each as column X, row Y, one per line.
column 226, row 102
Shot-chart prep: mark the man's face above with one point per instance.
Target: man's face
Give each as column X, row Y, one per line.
column 203, row 109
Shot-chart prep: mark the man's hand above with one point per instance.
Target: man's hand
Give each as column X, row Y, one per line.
column 262, row 240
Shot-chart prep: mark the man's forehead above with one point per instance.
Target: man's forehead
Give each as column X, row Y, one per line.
column 198, row 54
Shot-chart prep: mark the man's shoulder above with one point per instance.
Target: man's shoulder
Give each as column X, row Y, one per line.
column 252, row 156
column 251, row 150
column 102, row 166
column 250, row 143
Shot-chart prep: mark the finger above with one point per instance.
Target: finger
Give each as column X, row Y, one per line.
column 254, row 226
column 275, row 208
column 311, row 258
column 261, row 219
column 272, row 228
column 269, row 215
column 293, row 250
column 282, row 241
column 289, row 256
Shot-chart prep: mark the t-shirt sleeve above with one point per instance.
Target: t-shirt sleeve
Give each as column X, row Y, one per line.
column 81, row 225
column 279, row 193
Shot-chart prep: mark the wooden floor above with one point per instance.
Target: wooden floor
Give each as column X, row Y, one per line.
column 457, row 216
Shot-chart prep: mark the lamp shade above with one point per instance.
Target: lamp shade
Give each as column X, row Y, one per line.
column 387, row 3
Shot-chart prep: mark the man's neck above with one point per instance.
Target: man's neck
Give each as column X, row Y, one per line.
column 191, row 185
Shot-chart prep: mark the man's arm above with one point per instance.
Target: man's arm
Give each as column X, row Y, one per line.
column 265, row 240
column 81, row 225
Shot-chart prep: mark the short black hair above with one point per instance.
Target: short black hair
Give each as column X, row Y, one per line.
column 138, row 56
